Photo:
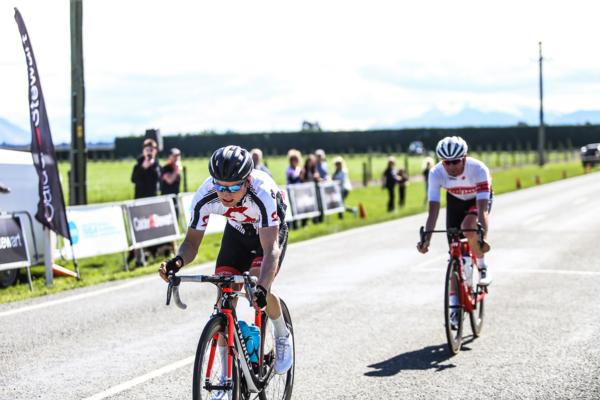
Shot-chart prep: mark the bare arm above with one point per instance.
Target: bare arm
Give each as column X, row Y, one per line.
column 482, row 214
column 434, row 210
column 187, row 251
column 269, row 240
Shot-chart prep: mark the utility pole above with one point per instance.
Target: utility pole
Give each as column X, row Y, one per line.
column 541, row 131
column 77, row 176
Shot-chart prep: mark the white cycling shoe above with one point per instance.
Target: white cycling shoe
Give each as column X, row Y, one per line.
column 454, row 320
column 284, row 351
column 485, row 279
column 220, row 394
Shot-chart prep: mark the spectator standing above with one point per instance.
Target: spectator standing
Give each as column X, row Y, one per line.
column 322, row 164
column 257, row 156
column 341, row 175
column 389, row 180
column 146, row 178
column 402, row 182
column 146, row 172
column 170, row 176
column 292, row 175
column 310, row 173
column 427, row 165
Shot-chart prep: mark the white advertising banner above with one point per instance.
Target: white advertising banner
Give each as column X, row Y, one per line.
column 303, row 197
column 331, row 197
column 96, row 230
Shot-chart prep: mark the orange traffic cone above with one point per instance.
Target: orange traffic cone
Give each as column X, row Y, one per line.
column 61, row 271
column 538, row 181
column 518, row 183
column 362, row 212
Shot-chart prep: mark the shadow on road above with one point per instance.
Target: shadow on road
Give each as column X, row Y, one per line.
column 430, row 357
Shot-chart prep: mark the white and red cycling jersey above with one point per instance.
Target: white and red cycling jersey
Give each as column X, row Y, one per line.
column 474, row 183
column 262, row 206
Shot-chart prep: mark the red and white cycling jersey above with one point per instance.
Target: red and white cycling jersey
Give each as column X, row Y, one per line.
column 474, row 182
column 262, row 206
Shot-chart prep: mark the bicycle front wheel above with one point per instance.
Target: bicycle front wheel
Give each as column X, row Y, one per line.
column 453, row 310
column 208, row 356
column 477, row 315
column 278, row 387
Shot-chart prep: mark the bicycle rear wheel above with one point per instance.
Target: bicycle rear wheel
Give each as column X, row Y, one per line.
column 279, row 387
column 453, row 333
column 214, row 329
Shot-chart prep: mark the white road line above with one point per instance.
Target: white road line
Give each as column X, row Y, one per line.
column 86, row 295
column 534, row 219
column 549, row 271
column 141, row 379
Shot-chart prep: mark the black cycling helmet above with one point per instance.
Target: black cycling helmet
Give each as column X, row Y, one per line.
column 230, row 164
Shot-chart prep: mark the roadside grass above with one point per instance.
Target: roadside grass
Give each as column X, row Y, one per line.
column 110, row 268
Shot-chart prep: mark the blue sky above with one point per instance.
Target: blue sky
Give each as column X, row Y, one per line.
column 191, row 65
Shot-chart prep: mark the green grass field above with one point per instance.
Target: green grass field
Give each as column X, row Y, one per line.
column 110, row 174
column 110, row 180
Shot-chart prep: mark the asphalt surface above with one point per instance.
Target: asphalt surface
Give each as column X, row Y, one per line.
column 368, row 314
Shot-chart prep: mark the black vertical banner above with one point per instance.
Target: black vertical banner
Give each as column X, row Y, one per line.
column 51, row 207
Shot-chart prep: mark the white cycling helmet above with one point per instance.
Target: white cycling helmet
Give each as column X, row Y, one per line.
column 451, row 148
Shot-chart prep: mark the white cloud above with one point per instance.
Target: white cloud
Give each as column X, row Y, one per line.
column 188, row 65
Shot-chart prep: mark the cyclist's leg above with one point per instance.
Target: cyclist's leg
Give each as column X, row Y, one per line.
column 456, row 209
column 273, row 308
column 229, row 261
column 470, row 222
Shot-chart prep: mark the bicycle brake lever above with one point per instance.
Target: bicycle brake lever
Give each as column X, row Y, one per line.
column 173, row 281
column 169, row 292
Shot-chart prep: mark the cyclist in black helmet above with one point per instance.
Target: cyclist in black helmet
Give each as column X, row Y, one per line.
column 255, row 236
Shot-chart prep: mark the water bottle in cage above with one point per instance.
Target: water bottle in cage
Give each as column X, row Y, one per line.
column 251, row 336
column 468, row 269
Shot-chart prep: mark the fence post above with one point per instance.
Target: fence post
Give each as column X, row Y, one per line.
column 185, row 182
column 365, row 173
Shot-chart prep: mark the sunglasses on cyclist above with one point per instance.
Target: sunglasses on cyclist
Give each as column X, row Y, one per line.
column 230, row 189
column 452, row 162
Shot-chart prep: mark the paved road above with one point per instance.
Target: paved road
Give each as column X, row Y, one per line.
column 367, row 309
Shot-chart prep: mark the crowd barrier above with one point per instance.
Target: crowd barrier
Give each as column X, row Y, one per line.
column 14, row 250
column 110, row 228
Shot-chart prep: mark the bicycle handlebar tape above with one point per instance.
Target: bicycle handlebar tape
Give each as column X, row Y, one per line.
column 172, row 264
column 260, row 295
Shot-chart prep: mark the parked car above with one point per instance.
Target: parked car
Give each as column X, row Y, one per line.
column 590, row 154
column 416, row 148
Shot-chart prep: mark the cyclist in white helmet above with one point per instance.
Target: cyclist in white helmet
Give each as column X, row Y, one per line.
column 468, row 197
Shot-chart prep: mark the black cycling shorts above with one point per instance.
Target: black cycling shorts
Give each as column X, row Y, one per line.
column 239, row 253
column 457, row 209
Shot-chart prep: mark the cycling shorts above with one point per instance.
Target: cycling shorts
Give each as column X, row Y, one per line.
column 457, row 209
column 240, row 253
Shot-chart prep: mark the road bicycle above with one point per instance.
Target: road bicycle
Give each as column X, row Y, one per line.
column 244, row 379
column 462, row 278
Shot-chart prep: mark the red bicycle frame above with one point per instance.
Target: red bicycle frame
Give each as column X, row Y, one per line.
column 458, row 248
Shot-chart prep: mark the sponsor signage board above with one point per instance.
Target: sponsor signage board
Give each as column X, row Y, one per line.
column 331, row 197
column 304, row 201
column 152, row 221
column 96, row 230
column 13, row 243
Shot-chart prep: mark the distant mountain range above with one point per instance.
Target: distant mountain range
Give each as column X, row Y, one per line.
column 11, row 134
column 470, row 117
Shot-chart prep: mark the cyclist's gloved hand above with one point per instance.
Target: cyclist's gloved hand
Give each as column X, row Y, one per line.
column 172, row 265
column 423, row 247
column 260, row 296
